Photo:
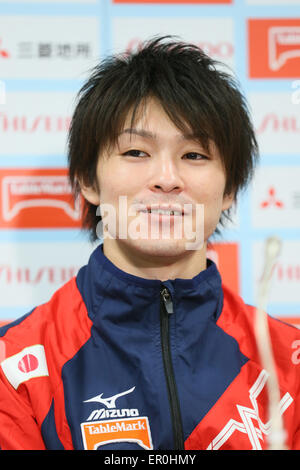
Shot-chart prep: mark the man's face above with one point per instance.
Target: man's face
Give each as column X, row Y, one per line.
column 162, row 177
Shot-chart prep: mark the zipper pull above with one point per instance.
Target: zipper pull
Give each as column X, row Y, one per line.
column 167, row 299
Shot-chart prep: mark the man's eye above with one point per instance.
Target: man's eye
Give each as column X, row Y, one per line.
column 135, row 153
column 195, row 156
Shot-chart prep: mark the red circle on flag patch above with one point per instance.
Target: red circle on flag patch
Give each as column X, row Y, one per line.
column 28, row 363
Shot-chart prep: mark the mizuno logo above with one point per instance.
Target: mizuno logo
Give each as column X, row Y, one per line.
column 108, row 402
column 102, row 413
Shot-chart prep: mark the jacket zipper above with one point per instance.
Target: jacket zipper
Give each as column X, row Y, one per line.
column 166, row 309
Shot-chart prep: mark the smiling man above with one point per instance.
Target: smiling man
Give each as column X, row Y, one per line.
column 165, row 176
column 146, row 348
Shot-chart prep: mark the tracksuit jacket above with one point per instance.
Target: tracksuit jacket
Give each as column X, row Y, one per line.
column 115, row 361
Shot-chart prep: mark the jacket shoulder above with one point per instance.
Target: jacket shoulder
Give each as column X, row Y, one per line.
column 238, row 320
column 46, row 322
column 239, row 316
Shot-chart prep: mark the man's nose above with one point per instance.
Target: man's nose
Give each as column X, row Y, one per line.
column 166, row 175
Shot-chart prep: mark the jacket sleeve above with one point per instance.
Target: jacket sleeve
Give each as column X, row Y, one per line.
column 296, row 434
column 18, row 427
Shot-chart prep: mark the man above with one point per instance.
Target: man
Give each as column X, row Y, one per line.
column 145, row 348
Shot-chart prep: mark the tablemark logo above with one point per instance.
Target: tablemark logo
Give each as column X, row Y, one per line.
column 278, row 44
column 130, row 427
column 38, row 198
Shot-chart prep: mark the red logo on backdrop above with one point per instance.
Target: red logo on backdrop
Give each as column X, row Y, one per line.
column 28, row 363
column 205, row 2
column 3, row 52
column 37, row 198
column 226, row 257
column 273, row 122
column 221, row 50
column 272, row 200
column 274, row 48
column 287, row 272
column 39, row 123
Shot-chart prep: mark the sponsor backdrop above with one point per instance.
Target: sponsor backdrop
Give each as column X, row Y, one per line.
column 46, row 51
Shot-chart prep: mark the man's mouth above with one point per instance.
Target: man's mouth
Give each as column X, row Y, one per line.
column 175, row 210
column 167, row 212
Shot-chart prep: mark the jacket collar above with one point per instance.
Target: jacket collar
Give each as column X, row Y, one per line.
column 104, row 287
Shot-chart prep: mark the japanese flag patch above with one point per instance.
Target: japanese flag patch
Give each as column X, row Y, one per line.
column 25, row 365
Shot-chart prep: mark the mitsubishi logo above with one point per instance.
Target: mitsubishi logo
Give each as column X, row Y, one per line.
column 272, row 200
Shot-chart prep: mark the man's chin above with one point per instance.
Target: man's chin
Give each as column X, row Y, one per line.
column 158, row 247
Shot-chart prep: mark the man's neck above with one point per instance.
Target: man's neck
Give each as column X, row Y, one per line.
column 141, row 264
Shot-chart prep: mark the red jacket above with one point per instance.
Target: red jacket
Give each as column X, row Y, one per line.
column 116, row 361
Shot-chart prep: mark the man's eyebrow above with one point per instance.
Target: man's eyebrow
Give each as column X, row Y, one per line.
column 190, row 136
column 150, row 135
column 140, row 132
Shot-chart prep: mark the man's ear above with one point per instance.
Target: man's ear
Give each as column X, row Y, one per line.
column 91, row 194
column 228, row 200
